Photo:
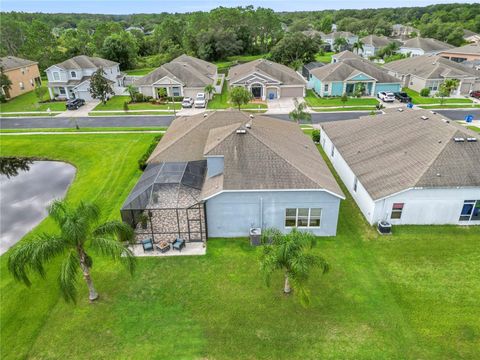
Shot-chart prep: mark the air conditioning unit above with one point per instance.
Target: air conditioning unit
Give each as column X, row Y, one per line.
column 459, row 139
column 472, row 139
column 241, row 131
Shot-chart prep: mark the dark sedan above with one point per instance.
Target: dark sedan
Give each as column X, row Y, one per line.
column 403, row 97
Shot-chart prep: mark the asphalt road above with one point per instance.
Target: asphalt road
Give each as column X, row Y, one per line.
column 37, row 122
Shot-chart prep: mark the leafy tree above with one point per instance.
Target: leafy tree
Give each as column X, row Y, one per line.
column 5, row 85
column 316, row 136
column 359, row 90
column 344, row 99
column 446, row 88
column 100, row 87
column 295, row 48
column 240, row 96
column 290, row 253
column 132, row 91
column 425, row 92
column 388, row 50
column 40, row 92
column 340, row 44
column 9, row 166
column 358, row 46
column 325, row 24
column 299, row 113
column 79, row 228
column 121, row 48
column 162, row 93
column 216, row 44
column 209, row 89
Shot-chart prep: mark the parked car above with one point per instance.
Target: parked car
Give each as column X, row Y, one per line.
column 200, row 100
column 74, row 104
column 386, row 96
column 187, row 102
column 403, row 97
column 475, row 94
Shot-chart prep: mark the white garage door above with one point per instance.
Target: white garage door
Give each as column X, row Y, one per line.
column 292, row 91
column 85, row 95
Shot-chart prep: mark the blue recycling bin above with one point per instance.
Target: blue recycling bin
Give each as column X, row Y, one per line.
column 469, row 118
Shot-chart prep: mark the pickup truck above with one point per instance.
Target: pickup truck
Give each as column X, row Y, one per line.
column 403, row 97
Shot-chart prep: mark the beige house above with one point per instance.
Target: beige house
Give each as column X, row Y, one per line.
column 471, row 36
column 267, row 80
column 23, row 74
column 468, row 52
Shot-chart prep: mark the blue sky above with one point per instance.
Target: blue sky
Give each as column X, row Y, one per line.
column 149, row 6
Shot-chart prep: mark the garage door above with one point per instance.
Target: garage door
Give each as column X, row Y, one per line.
column 292, row 91
column 85, row 95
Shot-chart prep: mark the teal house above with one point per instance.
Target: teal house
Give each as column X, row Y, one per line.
column 350, row 72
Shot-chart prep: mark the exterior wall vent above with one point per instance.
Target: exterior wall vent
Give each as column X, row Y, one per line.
column 472, row 139
column 459, row 139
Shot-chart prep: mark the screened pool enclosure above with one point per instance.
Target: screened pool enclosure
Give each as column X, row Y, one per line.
column 165, row 202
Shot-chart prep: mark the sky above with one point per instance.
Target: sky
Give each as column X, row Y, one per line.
column 158, row 6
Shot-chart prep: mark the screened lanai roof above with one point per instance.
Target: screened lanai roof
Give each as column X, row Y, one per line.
column 168, row 185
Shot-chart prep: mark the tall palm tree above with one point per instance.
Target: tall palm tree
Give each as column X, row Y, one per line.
column 339, row 44
column 291, row 254
column 79, row 228
column 357, row 46
column 299, row 112
column 209, row 89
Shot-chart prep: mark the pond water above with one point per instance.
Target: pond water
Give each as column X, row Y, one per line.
column 25, row 194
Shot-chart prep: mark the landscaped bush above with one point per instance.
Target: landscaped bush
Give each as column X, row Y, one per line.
column 138, row 97
column 175, row 98
column 425, row 92
column 125, row 106
column 316, row 136
column 142, row 162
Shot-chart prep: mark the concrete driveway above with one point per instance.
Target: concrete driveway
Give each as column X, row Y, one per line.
column 80, row 112
column 280, row 106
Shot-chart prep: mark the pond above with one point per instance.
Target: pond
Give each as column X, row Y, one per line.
column 26, row 189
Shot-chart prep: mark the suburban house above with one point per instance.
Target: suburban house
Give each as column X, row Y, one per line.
column 306, row 71
column 347, row 72
column 421, row 46
column 460, row 54
column 429, row 71
column 330, row 38
column 23, row 74
column 184, row 76
column 373, row 43
column 403, row 31
column 221, row 174
column 267, row 80
column 409, row 167
column 71, row 79
column 471, row 37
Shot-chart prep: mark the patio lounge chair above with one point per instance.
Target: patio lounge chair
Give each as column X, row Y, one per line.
column 147, row 245
column 178, row 244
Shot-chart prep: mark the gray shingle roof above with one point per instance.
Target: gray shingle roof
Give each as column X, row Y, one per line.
column 397, row 151
column 12, row 62
column 377, row 41
column 313, row 65
column 187, row 70
column 431, row 67
column 339, row 34
column 349, row 67
column 85, row 62
column 466, row 49
column 279, row 72
column 426, row 44
column 273, row 154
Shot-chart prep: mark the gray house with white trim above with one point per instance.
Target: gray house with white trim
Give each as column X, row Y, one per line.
column 221, row 174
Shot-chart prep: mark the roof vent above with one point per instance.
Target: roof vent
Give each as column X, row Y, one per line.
column 423, row 117
column 205, row 115
column 400, row 109
column 459, row 139
column 446, row 121
column 472, row 139
column 433, row 112
column 251, row 116
column 241, row 131
column 248, row 126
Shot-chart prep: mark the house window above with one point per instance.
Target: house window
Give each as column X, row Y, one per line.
column 470, row 210
column 333, row 151
column 56, row 75
column 32, row 83
column 62, row 91
column 303, row 217
column 23, row 71
column 325, row 88
column 176, row 91
column 397, row 209
column 355, row 183
column 73, row 74
column 22, row 85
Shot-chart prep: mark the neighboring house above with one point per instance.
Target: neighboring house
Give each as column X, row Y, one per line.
column 429, row 71
column 267, row 80
column 71, row 79
column 184, row 76
column 349, row 70
column 330, row 38
column 403, row 31
column 460, row 54
column 471, row 37
column 306, row 72
column 23, row 74
column 473, row 64
column 373, row 43
column 421, row 46
column 313, row 34
column 223, row 173
column 410, row 167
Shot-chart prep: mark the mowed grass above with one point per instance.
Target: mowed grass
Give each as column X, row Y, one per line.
column 116, row 103
column 222, row 101
column 417, row 99
column 474, row 128
column 407, row 296
column 314, row 101
column 140, row 72
column 29, row 102
column 326, row 57
column 224, row 65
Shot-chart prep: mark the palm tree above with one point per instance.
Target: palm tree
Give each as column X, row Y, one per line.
column 78, row 228
column 357, row 46
column 298, row 114
column 209, row 89
column 290, row 253
column 339, row 44
column 132, row 91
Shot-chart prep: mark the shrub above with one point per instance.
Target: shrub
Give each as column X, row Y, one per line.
column 138, row 97
column 3, row 99
column 142, row 162
column 125, row 106
column 316, row 136
column 425, row 92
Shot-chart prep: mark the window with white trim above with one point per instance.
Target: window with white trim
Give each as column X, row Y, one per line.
column 73, row 74
column 355, row 183
column 62, row 91
column 56, row 75
column 397, row 209
column 470, row 210
column 325, row 88
column 303, row 217
column 21, row 85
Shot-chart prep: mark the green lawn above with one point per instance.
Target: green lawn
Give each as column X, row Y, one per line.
column 474, row 128
column 116, row 103
column 29, row 102
column 451, row 106
column 139, row 72
column 86, row 129
column 325, row 58
column 418, row 100
column 412, row 295
column 314, row 101
column 221, row 101
column 353, row 108
column 224, row 65
column 130, row 113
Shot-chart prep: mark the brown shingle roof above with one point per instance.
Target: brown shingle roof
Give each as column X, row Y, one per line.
column 426, row 44
column 12, row 62
column 85, row 62
column 397, row 151
column 279, row 72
